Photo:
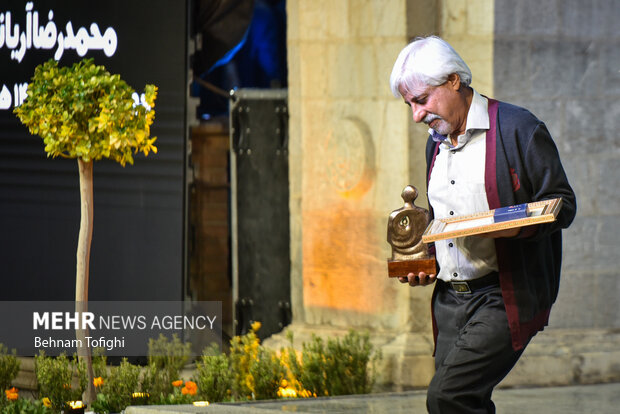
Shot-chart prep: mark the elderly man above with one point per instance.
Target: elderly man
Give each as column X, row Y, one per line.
column 482, row 154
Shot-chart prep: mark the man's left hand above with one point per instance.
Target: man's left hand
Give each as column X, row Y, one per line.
column 421, row 279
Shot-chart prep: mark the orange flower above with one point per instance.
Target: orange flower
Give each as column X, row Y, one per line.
column 190, row 388
column 12, row 394
column 46, row 402
column 98, row 382
column 177, row 383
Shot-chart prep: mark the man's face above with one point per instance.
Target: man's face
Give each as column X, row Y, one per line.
column 437, row 106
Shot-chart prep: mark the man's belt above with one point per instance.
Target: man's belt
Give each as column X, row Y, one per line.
column 492, row 279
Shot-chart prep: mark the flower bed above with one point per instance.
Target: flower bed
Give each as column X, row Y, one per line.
column 249, row 372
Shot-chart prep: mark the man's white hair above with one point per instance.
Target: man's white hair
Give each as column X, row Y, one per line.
column 428, row 60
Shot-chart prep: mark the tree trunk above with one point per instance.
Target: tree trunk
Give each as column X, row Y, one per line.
column 83, row 263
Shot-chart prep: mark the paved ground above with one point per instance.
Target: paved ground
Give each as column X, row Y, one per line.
column 586, row 399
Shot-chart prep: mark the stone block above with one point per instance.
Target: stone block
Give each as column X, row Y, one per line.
column 610, row 60
column 582, row 61
column 550, row 71
column 409, row 359
column 604, row 18
column 612, row 19
column 578, row 247
column 608, row 196
column 611, row 124
column 480, row 17
column 575, row 297
column 421, row 17
column 581, row 135
column 607, row 292
column 312, row 19
column 607, row 243
column 538, row 17
column 568, row 356
column 343, row 156
column 609, row 236
column 506, row 18
column 420, row 308
column 376, row 18
column 392, row 149
column 351, row 70
column 294, row 72
column 415, row 371
column 292, row 21
column 584, row 20
column 345, row 281
column 454, row 18
column 314, row 75
column 584, row 176
column 338, row 26
column 542, row 370
column 599, row 367
column 511, row 68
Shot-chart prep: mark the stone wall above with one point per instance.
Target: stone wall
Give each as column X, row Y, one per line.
column 561, row 59
column 348, row 158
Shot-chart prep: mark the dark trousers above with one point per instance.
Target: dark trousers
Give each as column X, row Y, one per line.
column 474, row 350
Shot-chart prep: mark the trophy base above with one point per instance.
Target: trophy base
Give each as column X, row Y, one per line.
column 397, row 268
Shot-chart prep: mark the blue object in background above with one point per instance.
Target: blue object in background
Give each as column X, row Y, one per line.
column 257, row 61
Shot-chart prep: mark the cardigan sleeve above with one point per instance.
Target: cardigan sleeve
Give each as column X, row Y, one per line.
column 548, row 179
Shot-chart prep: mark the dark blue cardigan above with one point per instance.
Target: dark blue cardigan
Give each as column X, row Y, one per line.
column 523, row 165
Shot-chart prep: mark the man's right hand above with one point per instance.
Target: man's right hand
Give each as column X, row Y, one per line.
column 421, row 279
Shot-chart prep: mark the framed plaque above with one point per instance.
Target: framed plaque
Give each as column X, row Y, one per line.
column 521, row 215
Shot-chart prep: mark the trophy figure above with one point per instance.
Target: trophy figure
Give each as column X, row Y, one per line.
column 404, row 234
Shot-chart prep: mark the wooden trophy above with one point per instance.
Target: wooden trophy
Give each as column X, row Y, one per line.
column 404, row 234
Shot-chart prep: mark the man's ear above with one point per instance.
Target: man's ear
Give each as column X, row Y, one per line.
column 454, row 80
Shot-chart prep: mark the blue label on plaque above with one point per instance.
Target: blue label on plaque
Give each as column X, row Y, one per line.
column 510, row 213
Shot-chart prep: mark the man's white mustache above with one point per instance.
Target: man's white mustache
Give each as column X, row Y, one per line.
column 430, row 118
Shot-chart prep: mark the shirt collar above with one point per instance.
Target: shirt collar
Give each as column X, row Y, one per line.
column 477, row 118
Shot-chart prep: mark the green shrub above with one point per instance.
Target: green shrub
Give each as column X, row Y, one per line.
column 213, row 375
column 251, row 372
column 9, row 367
column 165, row 360
column 338, row 367
column 100, row 363
column 25, row 406
column 60, row 379
column 332, row 367
column 348, row 361
column 115, row 392
column 312, row 372
column 267, row 372
column 243, row 353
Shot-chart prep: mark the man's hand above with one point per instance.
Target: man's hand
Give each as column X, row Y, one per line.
column 421, row 279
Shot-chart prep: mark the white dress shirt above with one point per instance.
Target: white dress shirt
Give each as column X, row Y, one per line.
column 456, row 187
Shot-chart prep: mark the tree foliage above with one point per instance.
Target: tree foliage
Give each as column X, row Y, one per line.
column 84, row 112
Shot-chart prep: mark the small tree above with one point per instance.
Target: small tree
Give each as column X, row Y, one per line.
column 84, row 112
